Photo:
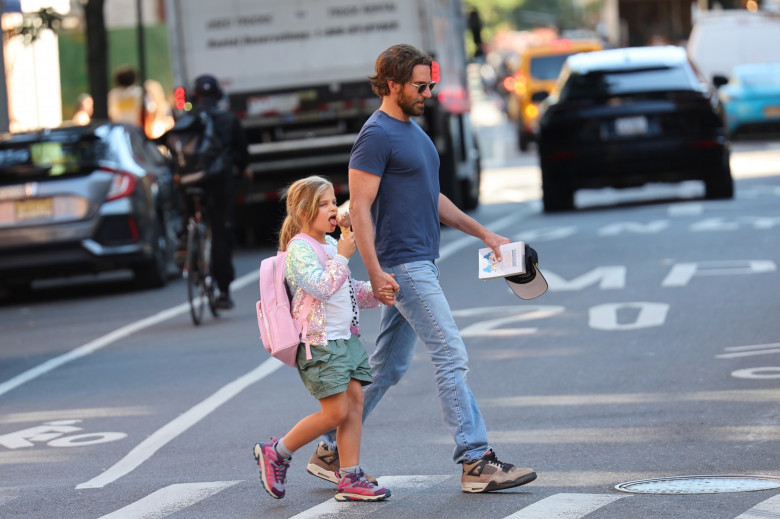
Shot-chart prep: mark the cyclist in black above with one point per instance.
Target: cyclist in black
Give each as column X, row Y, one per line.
column 207, row 95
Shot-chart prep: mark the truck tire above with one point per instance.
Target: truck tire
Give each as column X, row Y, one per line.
column 448, row 181
column 522, row 139
column 470, row 187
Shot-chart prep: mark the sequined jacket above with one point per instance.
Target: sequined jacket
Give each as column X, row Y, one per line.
column 305, row 274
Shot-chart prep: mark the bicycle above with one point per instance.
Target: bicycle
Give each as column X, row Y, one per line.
column 197, row 263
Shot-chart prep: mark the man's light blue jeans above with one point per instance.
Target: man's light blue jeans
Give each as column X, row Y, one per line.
column 421, row 310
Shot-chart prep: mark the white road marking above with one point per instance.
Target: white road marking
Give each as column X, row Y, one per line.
column 564, row 506
column 757, row 373
column 169, row 500
column 749, row 351
column 7, row 495
column 394, row 483
column 763, row 510
column 102, row 342
column 178, row 425
column 686, row 209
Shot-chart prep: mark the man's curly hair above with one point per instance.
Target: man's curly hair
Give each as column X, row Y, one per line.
column 396, row 64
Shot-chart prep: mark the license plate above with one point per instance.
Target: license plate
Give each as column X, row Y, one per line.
column 628, row 126
column 33, row 209
column 772, row 111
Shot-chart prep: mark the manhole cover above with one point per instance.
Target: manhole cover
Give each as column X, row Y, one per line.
column 700, row 484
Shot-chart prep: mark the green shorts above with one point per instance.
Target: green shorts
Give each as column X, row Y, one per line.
column 332, row 366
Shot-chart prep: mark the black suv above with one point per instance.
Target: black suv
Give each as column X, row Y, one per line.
column 626, row 117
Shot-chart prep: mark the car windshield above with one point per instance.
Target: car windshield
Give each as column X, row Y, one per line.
column 547, row 67
column 759, row 77
column 49, row 158
column 609, row 83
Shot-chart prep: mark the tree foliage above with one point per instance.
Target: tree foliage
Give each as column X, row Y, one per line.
column 33, row 23
column 500, row 15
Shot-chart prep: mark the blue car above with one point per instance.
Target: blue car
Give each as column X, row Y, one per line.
column 752, row 99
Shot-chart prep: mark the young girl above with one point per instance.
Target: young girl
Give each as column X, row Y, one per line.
column 339, row 365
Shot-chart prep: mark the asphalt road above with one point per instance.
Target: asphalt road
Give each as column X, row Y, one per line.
column 654, row 354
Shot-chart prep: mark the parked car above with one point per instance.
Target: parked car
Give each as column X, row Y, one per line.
column 626, row 117
column 538, row 68
column 752, row 98
column 84, row 199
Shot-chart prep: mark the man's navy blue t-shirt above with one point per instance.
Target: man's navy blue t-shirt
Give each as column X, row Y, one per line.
column 406, row 210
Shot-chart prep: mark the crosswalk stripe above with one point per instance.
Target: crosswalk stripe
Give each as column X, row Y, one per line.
column 564, row 506
column 763, row 510
column 394, row 483
column 169, row 500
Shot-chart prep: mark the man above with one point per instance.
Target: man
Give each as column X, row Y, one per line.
column 395, row 208
column 207, row 95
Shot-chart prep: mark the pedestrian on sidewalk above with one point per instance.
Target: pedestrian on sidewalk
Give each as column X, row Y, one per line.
column 338, row 367
column 396, row 208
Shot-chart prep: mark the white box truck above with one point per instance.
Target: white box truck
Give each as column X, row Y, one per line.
column 722, row 39
column 296, row 74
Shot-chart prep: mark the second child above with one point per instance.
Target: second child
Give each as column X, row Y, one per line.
column 338, row 367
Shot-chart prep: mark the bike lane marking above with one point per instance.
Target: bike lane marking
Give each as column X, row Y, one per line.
column 110, row 338
column 146, row 449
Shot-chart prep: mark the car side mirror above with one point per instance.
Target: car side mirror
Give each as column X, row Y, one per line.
column 719, row 80
column 538, row 97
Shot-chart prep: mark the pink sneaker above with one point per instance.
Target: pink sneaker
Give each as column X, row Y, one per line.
column 273, row 468
column 355, row 487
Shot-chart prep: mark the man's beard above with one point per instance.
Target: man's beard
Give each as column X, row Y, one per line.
column 408, row 105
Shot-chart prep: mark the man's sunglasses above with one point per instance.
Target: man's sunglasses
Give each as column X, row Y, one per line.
column 422, row 86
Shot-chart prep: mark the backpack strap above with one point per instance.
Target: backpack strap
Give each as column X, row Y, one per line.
column 317, row 246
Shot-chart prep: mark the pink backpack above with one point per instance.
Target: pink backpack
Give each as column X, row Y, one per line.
column 280, row 333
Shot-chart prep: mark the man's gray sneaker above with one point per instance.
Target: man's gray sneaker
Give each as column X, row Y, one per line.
column 488, row 474
column 324, row 463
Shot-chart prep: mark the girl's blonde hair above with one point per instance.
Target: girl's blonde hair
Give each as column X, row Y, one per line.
column 302, row 200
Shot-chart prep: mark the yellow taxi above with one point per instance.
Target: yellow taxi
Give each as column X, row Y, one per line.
column 538, row 69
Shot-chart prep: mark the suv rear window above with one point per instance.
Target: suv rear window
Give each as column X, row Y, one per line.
column 45, row 159
column 609, row 83
column 547, row 67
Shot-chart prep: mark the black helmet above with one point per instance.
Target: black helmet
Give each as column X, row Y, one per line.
column 207, row 86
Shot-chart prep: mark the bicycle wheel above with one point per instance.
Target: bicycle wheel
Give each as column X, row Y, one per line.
column 196, row 284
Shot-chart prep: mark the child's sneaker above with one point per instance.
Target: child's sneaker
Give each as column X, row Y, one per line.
column 325, row 464
column 487, row 474
column 273, row 468
column 355, row 487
